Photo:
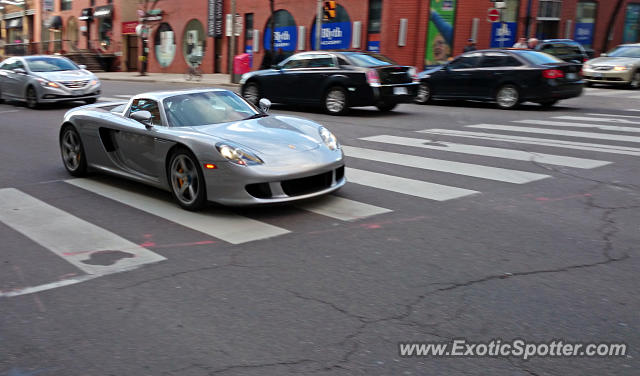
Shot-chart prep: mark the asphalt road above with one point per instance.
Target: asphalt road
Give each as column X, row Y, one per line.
column 522, row 238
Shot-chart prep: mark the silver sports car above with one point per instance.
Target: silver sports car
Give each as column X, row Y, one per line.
column 204, row 145
column 46, row 79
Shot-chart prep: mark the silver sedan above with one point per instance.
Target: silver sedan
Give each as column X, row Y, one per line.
column 204, row 145
column 46, row 79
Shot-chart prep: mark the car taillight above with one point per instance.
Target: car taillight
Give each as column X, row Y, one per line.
column 552, row 73
column 413, row 73
column 372, row 77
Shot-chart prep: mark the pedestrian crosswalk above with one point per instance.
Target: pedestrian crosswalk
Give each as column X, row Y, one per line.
column 372, row 162
column 612, row 92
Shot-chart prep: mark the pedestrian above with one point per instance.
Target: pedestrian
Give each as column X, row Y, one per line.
column 533, row 42
column 522, row 43
column 471, row 45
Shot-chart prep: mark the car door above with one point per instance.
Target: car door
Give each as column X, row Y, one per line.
column 459, row 75
column 4, row 67
column 10, row 79
column 308, row 84
column 495, row 68
column 273, row 83
column 292, row 70
column 18, row 83
column 136, row 143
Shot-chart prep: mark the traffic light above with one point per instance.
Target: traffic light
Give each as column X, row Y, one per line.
column 329, row 10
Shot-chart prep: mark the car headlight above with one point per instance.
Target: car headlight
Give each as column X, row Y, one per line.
column 328, row 138
column 46, row 83
column 94, row 82
column 621, row 68
column 237, row 155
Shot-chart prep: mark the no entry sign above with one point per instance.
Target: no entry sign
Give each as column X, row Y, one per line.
column 493, row 15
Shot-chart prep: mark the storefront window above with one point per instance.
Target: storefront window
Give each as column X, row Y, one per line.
column 336, row 33
column 104, row 16
column 193, row 43
column 248, row 32
column 72, row 32
column 165, row 45
column 65, row 4
column 375, row 16
column 585, row 21
column 631, row 23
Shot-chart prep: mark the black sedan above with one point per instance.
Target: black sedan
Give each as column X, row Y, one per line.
column 334, row 80
column 506, row 77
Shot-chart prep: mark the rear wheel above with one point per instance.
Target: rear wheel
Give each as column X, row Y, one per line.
column 507, row 97
column 72, row 151
column 635, row 80
column 251, row 92
column 186, row 180
column 31, row 97
column 386, row 106
column 424, row 93
column 335, row 101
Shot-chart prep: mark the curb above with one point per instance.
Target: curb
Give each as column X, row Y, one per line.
column 173, row 81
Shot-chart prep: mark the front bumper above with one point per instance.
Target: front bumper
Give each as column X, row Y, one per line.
column 47, row 94
column 608, row 77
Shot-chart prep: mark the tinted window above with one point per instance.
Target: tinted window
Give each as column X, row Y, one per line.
column 321, row 62
column 342, row 61
column 466, row 61
column 535, row 57
column 625, row 51
column 560, row 49
column 50, row 64
column 493, row 59
column 370, row 60
column 296, row 63
column 147, row 105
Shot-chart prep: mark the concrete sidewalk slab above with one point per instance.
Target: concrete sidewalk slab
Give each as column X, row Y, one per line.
column 216, row 79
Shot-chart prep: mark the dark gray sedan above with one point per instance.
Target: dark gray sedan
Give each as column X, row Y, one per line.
column 46, row 79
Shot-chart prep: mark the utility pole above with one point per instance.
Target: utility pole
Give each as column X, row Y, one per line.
column 272, row 25
column 318, row 24
column 232, row 41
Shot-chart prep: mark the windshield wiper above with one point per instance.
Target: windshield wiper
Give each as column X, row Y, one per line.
column 256, row 116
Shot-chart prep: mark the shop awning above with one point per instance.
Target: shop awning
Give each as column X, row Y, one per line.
column 14, row 23
column 54, row 22
column 87, row 14
column 105, row 11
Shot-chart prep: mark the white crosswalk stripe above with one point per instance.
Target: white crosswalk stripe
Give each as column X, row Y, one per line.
column 614, row 115
column 603, row 127
column 406, row 186
column 458, row 168
column 342, row 208
column 558, row 132
column 580, row 163
column 602, row 119
column 486, row 151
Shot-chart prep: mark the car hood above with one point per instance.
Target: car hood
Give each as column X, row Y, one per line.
column 73, row 75
column 271, row 135
column 608, row 60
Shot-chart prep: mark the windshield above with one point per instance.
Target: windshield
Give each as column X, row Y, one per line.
column 210, row 107
column 540, row 58
column 370, row 60
column 50, row 64
column 625, row 51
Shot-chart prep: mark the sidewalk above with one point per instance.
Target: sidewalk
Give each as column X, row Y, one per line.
column 217, row 79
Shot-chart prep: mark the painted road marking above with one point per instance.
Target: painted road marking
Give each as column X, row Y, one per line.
column 342, row 208
column 110, row 99
column 226, row 226
column 517, row 155
column 406, row 186
column 604, row 119
column 88, row 247
column 614, row 115
column 466, row 169
column 46, row 286
column 123, row 96
column 613, row 128
column 558, row 132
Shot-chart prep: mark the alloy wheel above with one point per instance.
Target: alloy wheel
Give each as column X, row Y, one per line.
column 336, row 101
column 71, row 150
column 507, row 97
column 635, row 80
column 32, row 98
column 184, row 179
column 424, row 93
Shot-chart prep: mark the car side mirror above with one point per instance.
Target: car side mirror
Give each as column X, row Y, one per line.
column 143, row 117
column 82, row 66
column 264, row 104
column 20, row 71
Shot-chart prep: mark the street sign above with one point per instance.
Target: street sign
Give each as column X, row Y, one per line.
column 493, row 15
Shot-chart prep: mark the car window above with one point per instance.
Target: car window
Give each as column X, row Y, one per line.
column 342, row 61
column 321, row 61
column 561, row 49
column 535, row 57
column 204, row 108
column 297, row 62
column 150, row 105
column 497, row 59
column 50, row 64
column 370, row 60
column 7, row 65
column 18, row 64
column 466, row 61
column 625, row 51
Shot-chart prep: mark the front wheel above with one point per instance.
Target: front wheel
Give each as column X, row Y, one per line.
column 507, row 97
column 335, row 101
column 424, row 94
column 32, row 98
column 635, row 80
column 186, row 180
column 72, row 151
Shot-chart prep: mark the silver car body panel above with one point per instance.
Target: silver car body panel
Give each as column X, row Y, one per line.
column 290, row 147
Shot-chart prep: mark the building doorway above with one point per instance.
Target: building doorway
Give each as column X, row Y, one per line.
column 132, row 53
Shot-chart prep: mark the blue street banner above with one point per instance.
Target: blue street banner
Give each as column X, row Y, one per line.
column 285, row 37
column 333, row 36
column 373, row 46
column 583, row 33
column 503, row 34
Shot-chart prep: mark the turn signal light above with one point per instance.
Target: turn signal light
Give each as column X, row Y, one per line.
column 210, row 166
column 552, row 73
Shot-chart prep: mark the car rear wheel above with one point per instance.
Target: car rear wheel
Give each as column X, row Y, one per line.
column 72, row 151
column 507, row 97
column 635, row 80
column 251, row 93
column 31, row 98
column 424, row 94
column 386, row 106
column 186, row 180
column 335, row 101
